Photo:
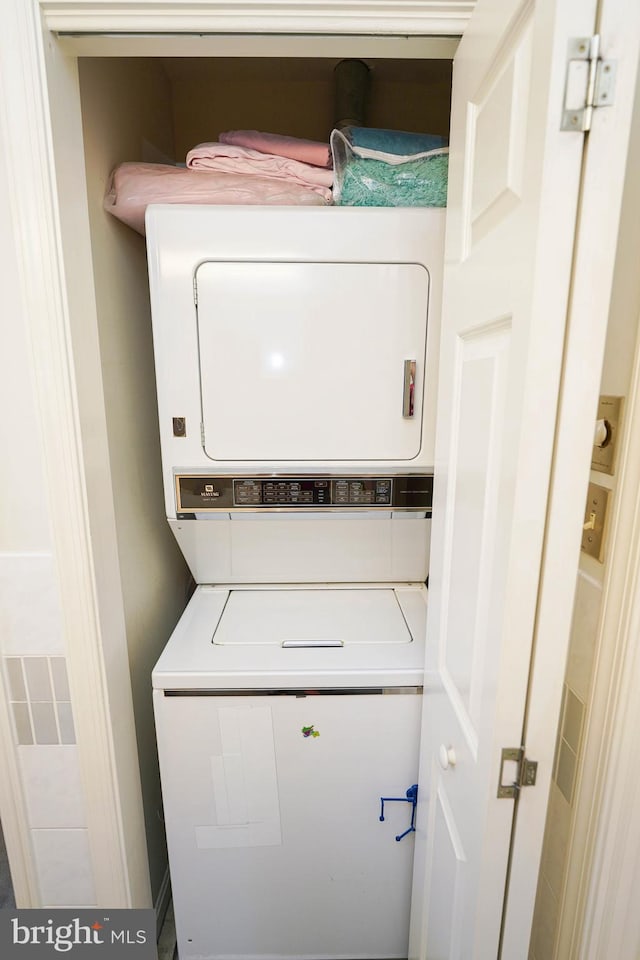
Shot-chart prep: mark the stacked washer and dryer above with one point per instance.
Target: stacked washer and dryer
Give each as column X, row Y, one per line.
column 296, row 360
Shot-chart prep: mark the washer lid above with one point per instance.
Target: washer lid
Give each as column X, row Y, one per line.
column 312, row 618
column 232, row 639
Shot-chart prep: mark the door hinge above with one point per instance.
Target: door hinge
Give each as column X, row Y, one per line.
column 590, row 83
column 195, row 291
column 526, row 772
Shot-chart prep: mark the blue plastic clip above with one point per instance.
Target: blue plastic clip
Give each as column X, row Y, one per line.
column 411, row 797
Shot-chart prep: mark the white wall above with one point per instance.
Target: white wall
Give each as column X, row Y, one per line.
column 126, row 115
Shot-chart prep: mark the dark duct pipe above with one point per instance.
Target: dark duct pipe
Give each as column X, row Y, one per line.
column 351, row 92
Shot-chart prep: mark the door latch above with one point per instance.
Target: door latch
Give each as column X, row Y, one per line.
column 526, row 772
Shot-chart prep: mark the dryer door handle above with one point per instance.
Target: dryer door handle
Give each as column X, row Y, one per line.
column 409, row 380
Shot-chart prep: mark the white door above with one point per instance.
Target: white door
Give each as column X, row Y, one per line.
column 514, row 182
column 307, row 361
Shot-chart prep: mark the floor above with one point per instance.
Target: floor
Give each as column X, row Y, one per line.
column 6, row 890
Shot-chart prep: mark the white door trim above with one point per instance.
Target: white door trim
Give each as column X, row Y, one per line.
column 607, row 921
column 408, row 18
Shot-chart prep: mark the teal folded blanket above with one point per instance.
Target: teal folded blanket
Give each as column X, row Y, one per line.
column 415, row 183
column 398, row 142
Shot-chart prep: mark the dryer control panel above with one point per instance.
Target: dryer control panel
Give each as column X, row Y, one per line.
column 198, row 494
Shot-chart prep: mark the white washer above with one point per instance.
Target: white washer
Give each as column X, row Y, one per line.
column 283, row 716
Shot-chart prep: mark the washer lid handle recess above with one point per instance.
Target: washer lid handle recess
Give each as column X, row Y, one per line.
column 312, row 643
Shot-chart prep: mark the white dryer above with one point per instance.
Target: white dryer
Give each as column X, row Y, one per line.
column 293, row 341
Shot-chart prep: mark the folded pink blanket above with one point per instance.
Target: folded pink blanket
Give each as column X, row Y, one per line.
column 307, row 151
column 134, row 185
column 228, row 158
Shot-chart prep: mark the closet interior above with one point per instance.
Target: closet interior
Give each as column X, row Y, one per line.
column 154, row 110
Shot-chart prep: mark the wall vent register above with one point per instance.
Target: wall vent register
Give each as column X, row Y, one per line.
column 197, row 494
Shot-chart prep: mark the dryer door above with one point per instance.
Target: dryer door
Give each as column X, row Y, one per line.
column 312, row 361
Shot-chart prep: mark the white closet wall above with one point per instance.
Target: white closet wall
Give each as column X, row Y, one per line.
column 126, row 112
